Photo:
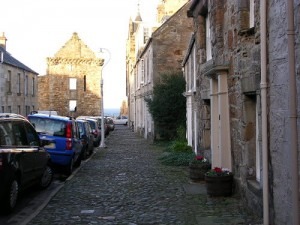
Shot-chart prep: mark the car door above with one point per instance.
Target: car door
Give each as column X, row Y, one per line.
column 41, row 156
column 77, row 145
column 27, row 155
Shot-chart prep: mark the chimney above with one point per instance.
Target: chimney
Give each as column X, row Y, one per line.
column 3, row 41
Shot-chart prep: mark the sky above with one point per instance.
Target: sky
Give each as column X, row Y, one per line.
column 37, row 29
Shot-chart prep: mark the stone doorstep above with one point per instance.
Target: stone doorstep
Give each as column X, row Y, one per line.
column 195, row 188
column 215, row 220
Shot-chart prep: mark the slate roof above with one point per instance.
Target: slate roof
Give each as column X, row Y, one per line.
column 9, row 60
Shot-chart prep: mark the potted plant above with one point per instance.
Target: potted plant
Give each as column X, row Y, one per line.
column 219, row 182
column 198, row 166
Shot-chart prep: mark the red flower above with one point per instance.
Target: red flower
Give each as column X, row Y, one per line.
column 198, row 157
column 218, row 170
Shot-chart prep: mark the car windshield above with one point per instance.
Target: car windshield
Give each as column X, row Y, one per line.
column 49, row 126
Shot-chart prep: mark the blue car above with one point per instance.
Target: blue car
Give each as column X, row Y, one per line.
column 63, row 134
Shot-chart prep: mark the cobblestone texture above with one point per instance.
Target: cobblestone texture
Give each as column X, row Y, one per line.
column 126, row 184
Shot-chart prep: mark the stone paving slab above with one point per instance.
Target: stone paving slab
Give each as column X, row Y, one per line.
column 126, row 184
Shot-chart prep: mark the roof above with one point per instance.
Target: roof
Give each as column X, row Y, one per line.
column 10, row 60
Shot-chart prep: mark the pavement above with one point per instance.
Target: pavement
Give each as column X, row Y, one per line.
column 125, row 184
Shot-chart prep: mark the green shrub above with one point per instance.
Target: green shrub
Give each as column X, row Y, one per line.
column 177, row 158
column 180, row 146
column 167, row 105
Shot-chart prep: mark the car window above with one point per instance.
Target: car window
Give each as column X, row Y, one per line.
column 6, row 135
column 88, row 128
column 93, row 124
column 75, row 130
column 19, row 133
column 49, row 126
column 32, row 136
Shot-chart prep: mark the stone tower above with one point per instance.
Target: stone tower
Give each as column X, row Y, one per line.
column 167, row 8
column 72, row 84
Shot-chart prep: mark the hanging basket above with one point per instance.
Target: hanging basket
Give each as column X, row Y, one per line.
column 219, row 185
column 197, row 171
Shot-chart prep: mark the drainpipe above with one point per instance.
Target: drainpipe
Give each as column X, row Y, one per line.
column 263, row 86
column 293, row 113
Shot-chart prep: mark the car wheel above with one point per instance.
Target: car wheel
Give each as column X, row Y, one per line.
column 78, row 161
column 11, row 196
column 69, row 168
column 47, row 177
column 91, row 151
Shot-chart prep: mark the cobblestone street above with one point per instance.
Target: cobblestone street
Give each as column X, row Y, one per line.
column 126, row 184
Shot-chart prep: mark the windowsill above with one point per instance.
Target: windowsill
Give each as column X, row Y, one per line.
column 247, row 32
column 254, row 187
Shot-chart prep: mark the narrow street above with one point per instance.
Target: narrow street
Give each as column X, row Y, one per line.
column 126, row 184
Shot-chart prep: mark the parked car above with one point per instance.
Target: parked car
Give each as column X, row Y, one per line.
column 121, row 120
column 48, row 112
column 106, row 128
column 24, row 162
column 86, row 136
column 95, row 123
column 64, row 133
column 110, row 123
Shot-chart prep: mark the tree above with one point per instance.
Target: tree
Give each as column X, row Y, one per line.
column 124, row 108
column 167, row 105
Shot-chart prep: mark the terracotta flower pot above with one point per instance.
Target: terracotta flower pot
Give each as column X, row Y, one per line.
column 219, row 185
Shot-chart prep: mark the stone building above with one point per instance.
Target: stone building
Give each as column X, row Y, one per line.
column 72, row 84
column 161, row 53
column 240, row 71
column 18, row 84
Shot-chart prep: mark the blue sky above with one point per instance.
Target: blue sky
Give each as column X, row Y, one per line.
column 37, row 29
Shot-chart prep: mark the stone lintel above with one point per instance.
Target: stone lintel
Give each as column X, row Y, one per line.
column 212, row 70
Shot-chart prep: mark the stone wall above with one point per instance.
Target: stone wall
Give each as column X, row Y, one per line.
column 169, row 43
column 236, row 48
column 279, row 101
column 15, row 100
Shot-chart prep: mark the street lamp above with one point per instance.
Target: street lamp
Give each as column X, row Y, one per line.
column 106, row 60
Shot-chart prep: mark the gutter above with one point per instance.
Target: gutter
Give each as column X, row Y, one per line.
column 263, row 86
column 293, row 114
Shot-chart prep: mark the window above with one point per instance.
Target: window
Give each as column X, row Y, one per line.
column 27, row 109
column 70, row 67
column 9, row 81
column 32, row 88
column 73, row 82
column 9, row 109
column 72, row 105
column 208, row 41
column 251, row 13
column 19, row 109
column 143, row 72
column 84, row 83
column 26, row 85
column 19, row 83
column 2, row 109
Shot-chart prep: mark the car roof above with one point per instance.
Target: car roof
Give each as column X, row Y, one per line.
column 12, row 115
column 82, row 120
column 50, row 116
